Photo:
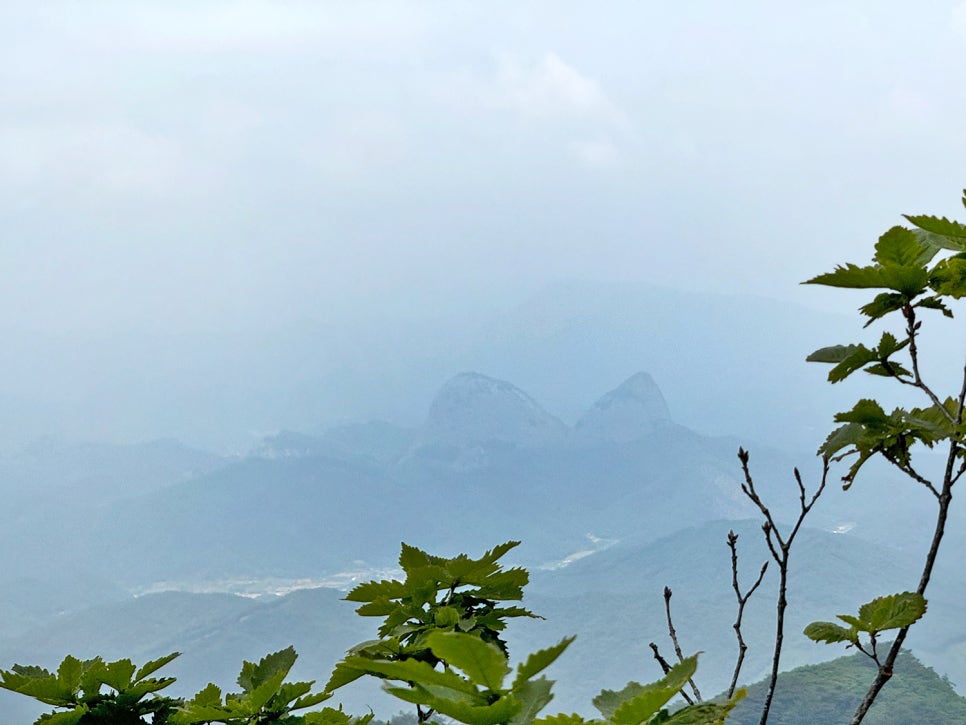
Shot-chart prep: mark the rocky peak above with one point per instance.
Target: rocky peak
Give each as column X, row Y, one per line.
column 632, row 410
column 474, row 408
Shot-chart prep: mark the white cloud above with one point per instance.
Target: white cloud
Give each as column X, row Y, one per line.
column 550, row 87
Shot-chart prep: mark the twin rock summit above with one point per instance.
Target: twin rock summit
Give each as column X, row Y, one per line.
column 473, row 408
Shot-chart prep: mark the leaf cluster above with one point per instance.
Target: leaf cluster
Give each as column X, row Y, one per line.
column 903, row 265
column 265, row 697
column 895, row 611
column 92, row 692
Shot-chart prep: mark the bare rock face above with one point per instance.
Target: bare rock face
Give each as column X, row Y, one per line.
column 630, row 411
column 473, row 408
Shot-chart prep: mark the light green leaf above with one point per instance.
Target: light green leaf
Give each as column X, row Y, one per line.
column 898, row 246
column 939, row 225
column 948, row 277
column 414, row 671
column 252, row 676
column 829, row 632
column 484, row 663
column 376, row 591
column 154, row 665
column 638, row 697
column 533, row 695
column 893, row 612
column 540, row 660
column 561, row 719
column 850, row 276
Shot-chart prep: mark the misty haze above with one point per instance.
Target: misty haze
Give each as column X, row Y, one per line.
column 286, row 284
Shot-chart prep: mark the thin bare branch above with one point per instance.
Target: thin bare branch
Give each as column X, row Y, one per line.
column 912, row 329
column 666, row 666
column 886, row 667
column 742, row 600
column 674, row 640
column 780, row 554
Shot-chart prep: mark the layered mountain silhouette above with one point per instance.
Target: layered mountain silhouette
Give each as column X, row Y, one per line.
column 632, row 410
column 475, row 408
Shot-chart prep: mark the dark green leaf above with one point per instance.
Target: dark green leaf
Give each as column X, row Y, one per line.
column 939, row 225
column 829, row 632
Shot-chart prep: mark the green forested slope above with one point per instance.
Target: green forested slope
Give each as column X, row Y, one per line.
column 829, row 693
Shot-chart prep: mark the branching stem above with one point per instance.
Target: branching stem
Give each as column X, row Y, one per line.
column 742, row 600
column 780, row 548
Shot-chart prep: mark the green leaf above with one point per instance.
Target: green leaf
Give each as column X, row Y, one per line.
column 484, row 663
column 414, row 671
column 948, row 277
column 939, row 225
column 829, row 632
column 253, row 676
column 533, row 695
column 118, row 675
column 858, row 357
column 898, row 246
column 706, row 713
column 881, row 305
column 411, row 558
column 892, row 612
column 499, row 711
column 376, row 591
column 154, row 665
column 69, row 673
column 561, row 719
column 540, row 660
column 642, row 701
column 850, row 276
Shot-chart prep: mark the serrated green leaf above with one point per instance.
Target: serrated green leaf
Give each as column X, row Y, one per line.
column 117, row 675
column 888, row 370
column 858, row 357
column 414, row 671
column 66, row 718
column 69, row 673
column 939, row 225
column 935, row 303
column 533, row 696
column 342, row 675
column 948, row 277
column 608, row 702
column 829, row 632
column 253, row 676
column 908, row 281
column 881, row 305
column 894, row 611
column 538, row 661
column 411, row 558
column 705, row 713
column 376, row 591
column 264, row 693
column 850, row 276
column 500, row 711
column 154, row 665
column 562, row 719
column 484, row 663
column 898, row 246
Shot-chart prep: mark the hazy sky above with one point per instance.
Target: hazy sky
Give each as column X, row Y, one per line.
column 209, row 166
